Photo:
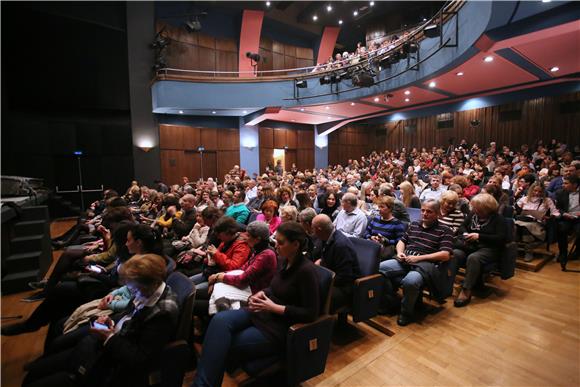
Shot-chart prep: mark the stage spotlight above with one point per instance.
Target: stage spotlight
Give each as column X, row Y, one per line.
column 410, row 47
column 325, row 80
column 363, row 79
column 432, row 31
column 302, row 84
column 253, row 56
column 193, row 25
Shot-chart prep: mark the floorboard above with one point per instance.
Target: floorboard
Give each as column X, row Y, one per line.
column 527, row 333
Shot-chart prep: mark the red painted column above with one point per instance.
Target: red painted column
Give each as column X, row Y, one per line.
column 249, row 39
column 327, row 43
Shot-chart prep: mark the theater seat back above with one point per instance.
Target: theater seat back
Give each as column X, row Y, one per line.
column 367, row 254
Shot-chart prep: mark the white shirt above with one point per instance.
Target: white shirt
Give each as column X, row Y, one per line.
column 351, row 223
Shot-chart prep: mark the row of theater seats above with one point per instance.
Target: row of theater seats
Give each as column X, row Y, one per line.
column 308, row 345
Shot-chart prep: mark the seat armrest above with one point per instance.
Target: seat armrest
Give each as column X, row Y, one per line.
column 366, row 298
column 358, row 281
column 308, row 345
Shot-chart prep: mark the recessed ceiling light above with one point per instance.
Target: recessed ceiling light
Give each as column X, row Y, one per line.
column 376, row 99
column 407, row 99
column 214, row 112
column 329, row 117
column 301, row 109
column 293, row 120
column 340, row 22
column 372, row 3
column 432, row 84
column 488, row 59
column 245, row 112
column 407, row 92
column 459, row 74
column 315, row 18
column 554, row 69
column 355, row 13
column 329, row 8
column 181, row 112
column 327, row 107
column 546, row 1
column 352, row 104
column 267, row 3
column 424, row 19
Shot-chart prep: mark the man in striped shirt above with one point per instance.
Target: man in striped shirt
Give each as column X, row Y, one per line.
column 419, row 253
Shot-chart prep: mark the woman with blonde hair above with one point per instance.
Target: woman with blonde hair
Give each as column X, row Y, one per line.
column 482, row 235
column 408, row 197
column 449, row 214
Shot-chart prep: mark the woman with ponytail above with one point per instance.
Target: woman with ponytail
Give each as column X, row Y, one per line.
column 260, row 330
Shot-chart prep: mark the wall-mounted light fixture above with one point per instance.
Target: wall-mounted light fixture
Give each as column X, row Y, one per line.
column 249, row 144
column 145, row 144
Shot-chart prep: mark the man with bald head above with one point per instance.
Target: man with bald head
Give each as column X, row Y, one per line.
column 335, row 251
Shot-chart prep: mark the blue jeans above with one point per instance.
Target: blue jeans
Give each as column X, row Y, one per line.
column 200, row 281
column 401, row 275
column 231, row 338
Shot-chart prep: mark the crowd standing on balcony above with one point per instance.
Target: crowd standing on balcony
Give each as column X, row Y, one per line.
column 256, row 240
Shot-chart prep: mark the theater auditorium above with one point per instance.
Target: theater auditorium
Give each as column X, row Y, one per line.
column 290, row 193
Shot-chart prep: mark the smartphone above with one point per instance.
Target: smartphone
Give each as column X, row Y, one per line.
column 95, row 269
column 99, row 326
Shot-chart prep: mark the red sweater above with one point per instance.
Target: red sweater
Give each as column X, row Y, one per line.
column 258, row 272
column 234, row 257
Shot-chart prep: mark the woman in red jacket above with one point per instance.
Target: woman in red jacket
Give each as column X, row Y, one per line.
column 231, row 254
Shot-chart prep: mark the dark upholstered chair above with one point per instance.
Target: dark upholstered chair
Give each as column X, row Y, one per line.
column 252, row 217
column 177, row 357
column 414, row 214
column 307, row 345
column 506, row 265
column 367, row 288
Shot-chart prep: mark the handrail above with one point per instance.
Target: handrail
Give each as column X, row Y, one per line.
column 439, row 18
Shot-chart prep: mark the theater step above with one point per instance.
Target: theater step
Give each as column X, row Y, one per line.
column 18, row 282
column 29, row 227
column 17, row 263
column 33, row 213
column 26, row 244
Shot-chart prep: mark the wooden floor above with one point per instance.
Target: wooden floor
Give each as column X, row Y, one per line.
column 526, row 334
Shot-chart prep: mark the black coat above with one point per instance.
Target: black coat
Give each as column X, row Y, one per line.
column 338, row 254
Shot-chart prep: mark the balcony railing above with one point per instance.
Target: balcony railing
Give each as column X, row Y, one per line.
column 447, row 12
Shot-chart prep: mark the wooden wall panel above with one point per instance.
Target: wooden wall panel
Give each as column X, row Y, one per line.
column 179, row 156
column 172, row 165
column 229, row 139
column 266, row 137
column 291, row 136
column 226, row 61
column 267, row 63
column 191, row 138
column 170, row 137
column 266, row 43
column 304, row 63
column 196, row 51
column 289, row 62
column 209, row 138
column 305, row 53
column 290, row 158
column 278, row 47
column 210, row 166
column 206, row 59
column 280, row 138
column 540, row 119
column 226, row 161
column 290, row 50
column 277, row 61
column 206, row 41
column 226, row 45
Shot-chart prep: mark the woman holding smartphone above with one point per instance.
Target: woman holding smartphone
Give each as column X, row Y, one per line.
column 118, row 354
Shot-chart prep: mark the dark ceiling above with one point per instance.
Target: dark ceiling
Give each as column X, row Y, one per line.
column 393, row 15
